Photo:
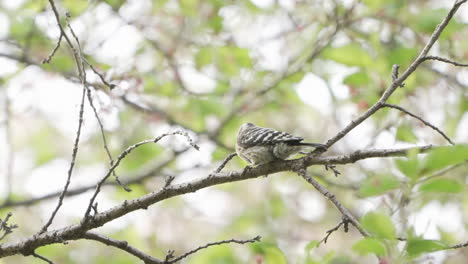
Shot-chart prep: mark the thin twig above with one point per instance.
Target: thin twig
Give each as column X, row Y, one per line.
column 170, row 259
column 395, row 73
column 10, row 154
column 72, row 165
column 343, row 221
column 103, row 80
column 333, row 168
column 461, row 245
column 104, row 140
column 124, row 154
column 441, row 172
column 303, row 173
column 34, row 254
column 168, row 181
column 57, row 46
column 225, row 162
column 420, row 119
column 5, row 227
column 82, row 77
column 437, row 58
column 123, row 245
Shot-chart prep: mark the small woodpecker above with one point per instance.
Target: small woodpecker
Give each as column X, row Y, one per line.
column 259, row 145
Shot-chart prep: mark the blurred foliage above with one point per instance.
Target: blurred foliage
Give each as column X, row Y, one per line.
column 209, row 66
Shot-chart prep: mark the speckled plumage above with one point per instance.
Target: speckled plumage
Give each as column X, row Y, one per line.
column 260, row 145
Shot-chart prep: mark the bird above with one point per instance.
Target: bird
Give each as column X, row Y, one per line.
column 260, row 145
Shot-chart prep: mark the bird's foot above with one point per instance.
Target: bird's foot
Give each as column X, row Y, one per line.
column 246, row 169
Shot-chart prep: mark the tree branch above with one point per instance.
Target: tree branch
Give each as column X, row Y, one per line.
column 123, row 245
column 34, row 254
column 437, row 58
column 124, row 154
column 171, row 259
column 82, row 77
column 76, row 231
column 330, row 196
column 420, row 119
column 398, row 82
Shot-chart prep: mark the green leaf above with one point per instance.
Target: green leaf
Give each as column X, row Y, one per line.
column 189, row 7
column 222, row 87
column 416, row 247
column 442, row 185
column 402, row 56
column 242, row 57
column 351, row 54
column 311, row 245
column 43, row 143
column 428, row 20
column 116, row 3
column 442, row 157
column 357, row 79
column 370, row 245
column 405, row 133
column 204, row 56
column 374, row 4
column 295, row 78
column 230, row 59
column 270, row 252
column 62, row 62
column 35, row 6
column 378, row 224
column 140, row 156
column 276, row 206
column 378, row 185
column 20, row 27
column 75, row 7
column 409, row 166
column 216, row 23
column 222, row 254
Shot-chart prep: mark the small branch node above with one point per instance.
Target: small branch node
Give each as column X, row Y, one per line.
column 168, row 182
column 5, row 227
column 395, row 72
column 333, row 169
column 225, row 161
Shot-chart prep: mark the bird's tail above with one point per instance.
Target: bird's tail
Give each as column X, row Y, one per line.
column 315, row 145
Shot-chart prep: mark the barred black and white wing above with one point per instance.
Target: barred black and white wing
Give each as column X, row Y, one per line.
column 252, row 135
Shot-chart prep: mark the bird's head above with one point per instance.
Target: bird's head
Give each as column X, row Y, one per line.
column 245, row 127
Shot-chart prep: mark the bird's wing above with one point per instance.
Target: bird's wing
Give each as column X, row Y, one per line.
column 267, row 136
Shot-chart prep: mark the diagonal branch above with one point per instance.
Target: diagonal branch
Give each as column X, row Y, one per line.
column 225, row 162
column 461, row 245
column 171, row 259
column 104, row 140
column 72, row 165
column 330, row 196
column 122, row 245
column 420, row 119
column 34, row 254
column 344, row 221
column 82, row 77
column 124, row 154
column 398, row 82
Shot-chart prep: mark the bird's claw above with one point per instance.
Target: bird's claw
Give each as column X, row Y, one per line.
column 246, row 169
